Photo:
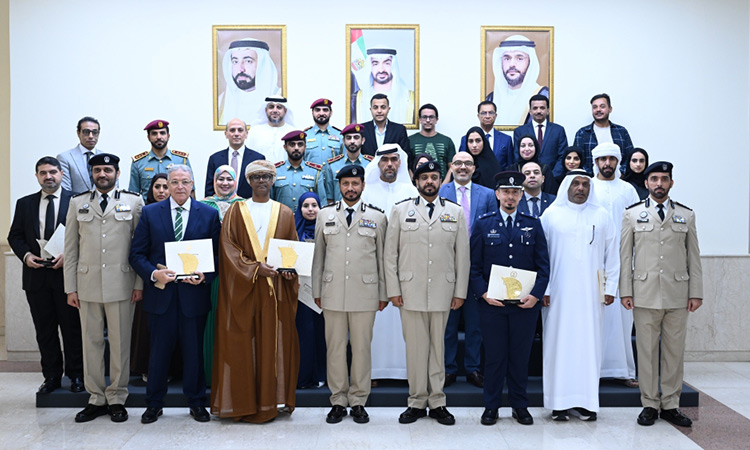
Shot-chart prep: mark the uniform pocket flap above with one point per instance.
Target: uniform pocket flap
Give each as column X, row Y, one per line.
column 405, row 276
column 83, row 269
column 681, row 276
column 328, row 275
column 370, row 278
column 451, row 277
column 640, row 275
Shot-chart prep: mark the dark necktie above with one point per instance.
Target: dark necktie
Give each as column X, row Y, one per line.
column 431, row 206
column 49, row 219
column 350, row 213
column 103, row 203
column 178, row 223
column 510, row 223
column 539, row 137
column 91, row 176
column 235, row 162
column 660, row 211
column 535, row 206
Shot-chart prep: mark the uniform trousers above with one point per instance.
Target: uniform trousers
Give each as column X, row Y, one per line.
column 355, row 327
column 424, row 334
column 472, row 337
column 508, row 334
column 671, row 326
column 119, row 317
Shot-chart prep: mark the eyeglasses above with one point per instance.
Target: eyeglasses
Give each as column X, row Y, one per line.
column 487, row 113
column 463, row 163
column 264, row 177
column 428, row 117
column 176, row 183
column 90, row 132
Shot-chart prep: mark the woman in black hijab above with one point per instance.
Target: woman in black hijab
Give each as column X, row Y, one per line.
column 572, row 159
column 637, row 163
column 484, row 159
column 528, row 150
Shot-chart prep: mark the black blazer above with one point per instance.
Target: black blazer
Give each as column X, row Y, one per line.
column 395, row 133
column 221, row 158
column 24, row 231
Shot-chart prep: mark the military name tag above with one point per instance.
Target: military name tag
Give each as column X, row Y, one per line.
column 308, row 177
column 310, row 139
column 330, row 224
column 448, row 218
column 411, row 220
column 367, row 223
column 281, row 178
column 84, row 209
column 493, row 235
column 678, row 219
column 642, row 220
column 148, row 169
column 121, row 207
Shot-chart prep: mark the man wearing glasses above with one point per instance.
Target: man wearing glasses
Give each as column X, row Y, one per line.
column 75, row 162
column 430, row 142
column 501, row 143
column 476, row 200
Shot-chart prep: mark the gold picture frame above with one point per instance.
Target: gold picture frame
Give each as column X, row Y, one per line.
column 248, row 104
column 404, row 41
column 541, row 40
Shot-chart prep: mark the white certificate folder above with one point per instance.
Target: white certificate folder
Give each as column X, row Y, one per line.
column 508, row 283
column 185, row 257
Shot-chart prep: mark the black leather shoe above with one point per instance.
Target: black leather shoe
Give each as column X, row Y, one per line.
column 647, row 416
column 442, row 415
column 476, row 378
column 91, row 412
column 199, row 413
column 151, row 415
column 676, row 417
column 522, row 416
column 560, row 415
column 359, row 414
column 76, row 384
column 585, row 414
column 450, row 378
column 411, row 415
column 49, row 385
column 118, row 413
column 489, row 416
column 336, row 414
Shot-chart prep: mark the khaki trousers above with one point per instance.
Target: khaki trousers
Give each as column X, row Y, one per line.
column 354, row 327
column 424, row 333
column 671, row 326
column 119, row 322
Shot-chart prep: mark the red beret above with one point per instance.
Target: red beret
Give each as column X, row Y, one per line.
column 321, row 102
column 352, row 128
column 295, row 135
column 156, row 124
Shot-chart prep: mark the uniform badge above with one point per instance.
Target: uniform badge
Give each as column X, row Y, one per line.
column 121, row 207
column 678, row 219
column 330, row 217
column 106, row 159
column 84, row 209
column 367, row 223
column 644, row 214
column 493, row 231
column 330, row 224
column 308, row 177
column 448, row 218
column 281, row 178
column 643, row 220
column 333, row 137
column 526, row 230
column 169, row 166
column 413, row 219
column 411, row 213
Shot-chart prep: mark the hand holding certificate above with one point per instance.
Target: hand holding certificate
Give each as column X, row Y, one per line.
column 510, row 285
column 188, row 257
column 291, row 256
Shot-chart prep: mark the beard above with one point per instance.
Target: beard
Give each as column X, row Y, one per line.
column 385, row 81
column 607, row 172
column 427, row 190
column 322, row 120
column 159, row 144
column 244, row 81
column 513, row 82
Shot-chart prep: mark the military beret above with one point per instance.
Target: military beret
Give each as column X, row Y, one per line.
column 429, row 166
column 104, row 159
column 659, row 166
column 156, row 125
column 352, row 128
column 295, row 135
column 509, row 180
column 321, row 102
column 351, row 170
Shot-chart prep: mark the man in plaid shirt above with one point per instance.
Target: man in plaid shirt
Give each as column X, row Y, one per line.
column 602, row 130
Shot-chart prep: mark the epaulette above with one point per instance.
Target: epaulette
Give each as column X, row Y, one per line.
column 337, row 129
column 140, row 156
column 488, row 214
column 280, row 163
column 125, row 191
column 680, row 204
column 368, row 157
column 369, row 205
column 313, row 165
column 307, row 128
column 330, row 204
column 335, row 158
column 635, row 204
column 404, row 200
column 180, row 153
column 528, row 215
column 449, row 201
column 82, row 193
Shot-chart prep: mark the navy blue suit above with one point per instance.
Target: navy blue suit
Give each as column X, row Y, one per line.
column 545, row 199
column 221, row 158
column 180, row 309
column 482, row 201
column 507, row 332
column 554, row 144
column 502, row 147
column 395, row 133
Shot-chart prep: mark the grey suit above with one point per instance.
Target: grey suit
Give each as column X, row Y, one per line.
column 97, row 246
column 76, row 171
column 349, row 279
column 427, row 264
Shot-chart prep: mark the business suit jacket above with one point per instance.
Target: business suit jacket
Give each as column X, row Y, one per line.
column 76, row 171
column 660, row 265
column 154, row 229
column 554, row 144
column 24, row 231
column 395, row 133
column 427, row 259
column 481, row 199
column 348, row 272
column 221, row 158
column 545, row 199
column 97, row 245
column 502, row 147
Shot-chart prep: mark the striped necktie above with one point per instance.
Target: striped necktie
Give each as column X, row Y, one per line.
column 178, row 223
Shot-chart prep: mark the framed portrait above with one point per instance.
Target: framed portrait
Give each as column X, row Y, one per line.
column 517, row 63
column 383, row 59
column 249, row 64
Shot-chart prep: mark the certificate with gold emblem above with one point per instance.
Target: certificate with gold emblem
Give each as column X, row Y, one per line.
column 186, row 257
column 510, row 285
column 291, row 256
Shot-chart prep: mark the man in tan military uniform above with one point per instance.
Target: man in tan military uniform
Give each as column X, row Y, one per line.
column 100, row 282
column 427, row 274
column 349, row 284
column 661, row 280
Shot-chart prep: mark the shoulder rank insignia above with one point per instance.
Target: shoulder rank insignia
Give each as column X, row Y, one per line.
column 335, row 158
column 368, row 157
column 330, row 204
column 404, row 200
column 443, row 200
column 335, row 128
column 280, row 163
column 367, row 223
column 82, row 193
column 528, row 216
column 488, row 214
column 680, row 204
column 124, row 191
column 370, row 205
column 448, row 218
column 635, row 204
column 140, row 156
column 180, row 153
column 307, row 128
column 313, row 165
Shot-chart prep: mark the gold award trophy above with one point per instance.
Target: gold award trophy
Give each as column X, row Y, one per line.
column 288, row 259
column 513, row 289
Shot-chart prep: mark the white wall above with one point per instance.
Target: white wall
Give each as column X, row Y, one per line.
column 675, row 70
